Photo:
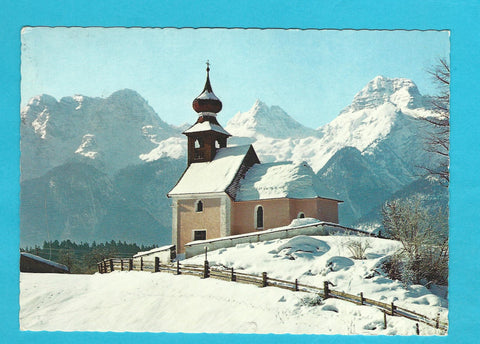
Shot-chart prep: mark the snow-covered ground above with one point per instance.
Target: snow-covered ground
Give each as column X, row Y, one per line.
column 161, row 302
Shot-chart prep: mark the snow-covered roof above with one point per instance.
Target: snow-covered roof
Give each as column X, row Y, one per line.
column 212, row 176
column 282, row 180
column 206, row 126
column 154, row 250
column 45, row 261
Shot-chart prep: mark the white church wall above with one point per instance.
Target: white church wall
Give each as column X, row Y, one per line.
column 317, row 228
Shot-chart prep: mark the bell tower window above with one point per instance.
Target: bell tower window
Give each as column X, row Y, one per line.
column 199, row 143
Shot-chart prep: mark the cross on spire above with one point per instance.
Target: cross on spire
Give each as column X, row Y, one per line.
column 208, row 66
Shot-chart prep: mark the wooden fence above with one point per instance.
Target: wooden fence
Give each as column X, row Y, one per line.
column 229, row 274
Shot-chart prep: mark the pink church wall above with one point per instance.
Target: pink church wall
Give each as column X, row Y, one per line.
column 280, row 212
column 318, row 208
column 276, row 213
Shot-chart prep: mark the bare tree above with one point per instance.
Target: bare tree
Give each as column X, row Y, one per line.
column 438, row 141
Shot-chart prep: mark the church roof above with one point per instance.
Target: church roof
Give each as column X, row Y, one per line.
column 206, row 126
column 282, row 180
column 213, row 176
column 262, row 181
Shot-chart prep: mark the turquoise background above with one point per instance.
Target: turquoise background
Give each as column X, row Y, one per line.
column 461, row 17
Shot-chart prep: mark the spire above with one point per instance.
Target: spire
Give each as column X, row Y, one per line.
column 207, row 101
column 208, row 86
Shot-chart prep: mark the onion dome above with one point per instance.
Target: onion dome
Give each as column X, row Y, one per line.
column 207, row 101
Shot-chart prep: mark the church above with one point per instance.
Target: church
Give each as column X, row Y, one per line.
column 227, row 190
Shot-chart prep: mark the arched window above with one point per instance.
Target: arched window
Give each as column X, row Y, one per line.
column 199, row 206
column 301, row 215
column 259, row 217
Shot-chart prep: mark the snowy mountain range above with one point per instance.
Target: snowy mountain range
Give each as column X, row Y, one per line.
column 99, row 169
column 111, row 131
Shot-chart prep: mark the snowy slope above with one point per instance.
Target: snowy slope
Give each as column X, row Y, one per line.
column 163, row 302
column 313, row 260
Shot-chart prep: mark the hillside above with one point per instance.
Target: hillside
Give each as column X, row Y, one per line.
column 79, row 202
column 162, row 302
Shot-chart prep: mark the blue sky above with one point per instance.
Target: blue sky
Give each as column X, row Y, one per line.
column 311, row 74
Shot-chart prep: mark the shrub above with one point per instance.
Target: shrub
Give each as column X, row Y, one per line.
column 358, row 248
column 312, row 301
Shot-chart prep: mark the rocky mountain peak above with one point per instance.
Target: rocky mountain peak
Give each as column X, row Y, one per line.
column 401, row 92
column 269, row 121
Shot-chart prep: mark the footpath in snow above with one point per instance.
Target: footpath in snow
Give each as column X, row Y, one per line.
column 162, row 302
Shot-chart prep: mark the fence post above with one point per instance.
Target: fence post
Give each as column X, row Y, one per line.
column 206, row 269
column 178, row 267
column 417, row 329
column 362, row 300
column 296, row 284
column 130, row 264
column 141, row 263
column 393, row 309
column 264, row 279
column 232, row 275
column 111, row 264
column 157, row 264
column 384, row 320
column 326, row 291
column 121, row 264
column 437, row 321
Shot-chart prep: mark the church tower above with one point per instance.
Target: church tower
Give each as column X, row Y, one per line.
column 206, row 135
